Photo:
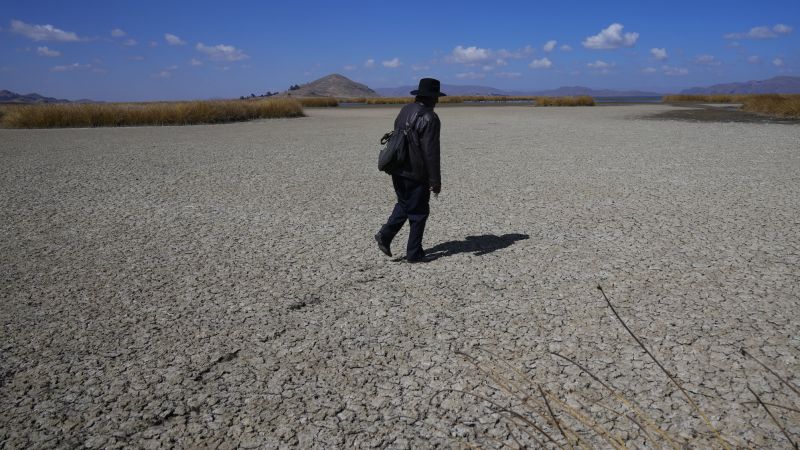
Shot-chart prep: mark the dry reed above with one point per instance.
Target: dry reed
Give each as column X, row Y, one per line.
column 133, row 114
column 318, row 102
column 581, row 100
column 777, row 105
column 551, row 421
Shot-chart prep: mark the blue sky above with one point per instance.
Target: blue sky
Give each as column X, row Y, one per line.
column 145, row 50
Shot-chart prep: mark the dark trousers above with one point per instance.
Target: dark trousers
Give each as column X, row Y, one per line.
column 413, row 204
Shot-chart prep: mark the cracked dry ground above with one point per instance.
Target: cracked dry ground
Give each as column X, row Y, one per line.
column 218, row 286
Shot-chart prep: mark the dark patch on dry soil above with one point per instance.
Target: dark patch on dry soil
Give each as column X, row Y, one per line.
column 701, row 113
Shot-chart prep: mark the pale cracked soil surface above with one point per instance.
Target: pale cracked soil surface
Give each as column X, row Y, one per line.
column 219, row 286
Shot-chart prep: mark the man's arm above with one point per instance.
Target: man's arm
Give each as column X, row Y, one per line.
column 429, row 144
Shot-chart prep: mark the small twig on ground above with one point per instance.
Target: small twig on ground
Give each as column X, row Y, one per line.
column 788, row 384
column 500, row 409
column 631, row 404
column 555, row 420
column 783, row 430
column 722, row 441
column 787, row 408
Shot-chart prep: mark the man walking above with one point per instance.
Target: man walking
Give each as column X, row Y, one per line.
column 421, row 174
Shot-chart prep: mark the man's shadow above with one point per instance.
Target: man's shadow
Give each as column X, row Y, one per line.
column 477, row 245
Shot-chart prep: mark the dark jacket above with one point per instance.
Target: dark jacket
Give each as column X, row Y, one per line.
column 423, row 162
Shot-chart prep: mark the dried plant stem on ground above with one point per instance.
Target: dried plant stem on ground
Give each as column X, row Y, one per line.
column 725, row 444
column 771, row 416
column 775, row 374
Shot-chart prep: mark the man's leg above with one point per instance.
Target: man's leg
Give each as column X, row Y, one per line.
column 399, row 215
column 417, row 209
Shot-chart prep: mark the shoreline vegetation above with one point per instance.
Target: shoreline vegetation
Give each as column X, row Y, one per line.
column 775, row 105
column 90, row 115
column 137, row 114
column 584, row 100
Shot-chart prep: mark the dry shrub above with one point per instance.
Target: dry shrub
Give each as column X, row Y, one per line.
column 389, row 100
column 602, row 415
column 774, row 105
column 318, row 101
column 779, row 105
column 353, row 100
column 581, row 100
column 133, row 114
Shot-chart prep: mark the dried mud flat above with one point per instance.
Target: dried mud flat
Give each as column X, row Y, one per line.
column 218, row 286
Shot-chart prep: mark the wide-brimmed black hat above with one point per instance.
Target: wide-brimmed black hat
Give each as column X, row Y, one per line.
column 428, row 87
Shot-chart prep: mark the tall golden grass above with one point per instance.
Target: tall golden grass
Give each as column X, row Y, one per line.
column 133, row 114
column 318, row 101
column 778, row 105
column 581, row 100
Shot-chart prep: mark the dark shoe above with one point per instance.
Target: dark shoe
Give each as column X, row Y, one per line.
column 423, row 259
column 383, row 247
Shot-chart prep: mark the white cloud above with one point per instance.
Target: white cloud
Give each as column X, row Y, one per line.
column 508, row 74
column 469, row 55
column 153, row 44
column 349, row 67
column 136, row 58
column 195, row 62
column 755, row 59
column 777, row 62
column 221, row 52
column 542, row 63
column 471, row 75
column 392, row 63
column 649, row 70
column 611, row 38
column 762, row 32
column 549, row 46
column 43, row 32
column 369, row 63
column 524, row 52
column 674, row 71
column 472, row 56
column 566, row 48
column 659, row 53
column 70, row 67
column 707, row 60
column 599, row 65
column 116, row 32
column 44, row 51
column 419, row 67
column 130, row 42
column 173, row 40
column 487, row 68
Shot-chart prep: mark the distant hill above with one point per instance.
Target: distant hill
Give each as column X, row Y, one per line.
column 28, row 99
column 776, row 85
column 451, row 89
column 333, row 85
